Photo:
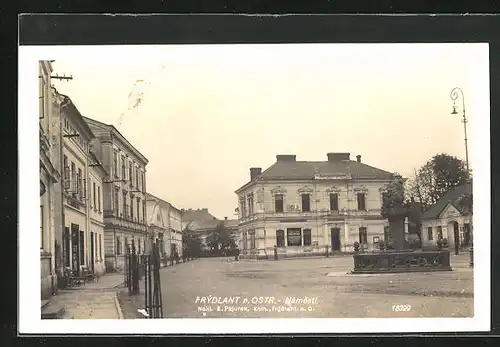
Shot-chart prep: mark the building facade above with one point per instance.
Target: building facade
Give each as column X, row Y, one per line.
column 97, row 174
column 306, row 207
column 447, row 219
column 164, row 225
column 81, row 172
column 200, row 221
column 124, row 194
column 50, row 181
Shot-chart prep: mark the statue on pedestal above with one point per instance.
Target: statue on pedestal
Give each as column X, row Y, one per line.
column 395, row 210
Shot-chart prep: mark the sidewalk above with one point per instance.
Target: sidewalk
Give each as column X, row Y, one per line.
column 94, row 300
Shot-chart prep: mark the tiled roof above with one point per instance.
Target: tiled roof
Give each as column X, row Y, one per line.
column 452, row 197
column 307, row 170
column 231, row 223
column 197, row 215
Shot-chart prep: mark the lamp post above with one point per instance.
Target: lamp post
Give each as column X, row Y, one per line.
column 454, row 95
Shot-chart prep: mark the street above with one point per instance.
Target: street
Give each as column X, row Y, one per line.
column 310, row 288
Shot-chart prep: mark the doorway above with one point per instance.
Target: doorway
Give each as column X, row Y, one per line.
column 456, row 237
column 75, row 259
column 335, row 239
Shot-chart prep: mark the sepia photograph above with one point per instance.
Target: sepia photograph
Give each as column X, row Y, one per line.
column 320, row 181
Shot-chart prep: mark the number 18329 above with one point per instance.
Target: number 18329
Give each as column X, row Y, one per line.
column 401, row 308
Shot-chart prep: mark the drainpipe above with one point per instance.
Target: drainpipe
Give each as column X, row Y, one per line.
column 61, row 162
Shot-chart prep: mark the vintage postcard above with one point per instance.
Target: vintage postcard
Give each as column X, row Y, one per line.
column 191, row 188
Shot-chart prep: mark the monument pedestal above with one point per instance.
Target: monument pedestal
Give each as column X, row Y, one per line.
column 401, row 261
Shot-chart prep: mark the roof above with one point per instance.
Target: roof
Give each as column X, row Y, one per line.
column 452, row 197
column 307, row 170
column 161, row 201
column 77, row 116
column 111, row 128
column 197, row 215
column 97, row 163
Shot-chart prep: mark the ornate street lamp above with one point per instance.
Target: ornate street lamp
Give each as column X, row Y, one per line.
column 455, row 93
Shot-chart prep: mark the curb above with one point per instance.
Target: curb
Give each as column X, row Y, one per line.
column 118, row 307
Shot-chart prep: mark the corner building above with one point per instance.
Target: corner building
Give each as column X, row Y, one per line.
column 308, row 207
column 124, row 194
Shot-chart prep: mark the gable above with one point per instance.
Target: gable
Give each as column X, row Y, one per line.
column 449, row 211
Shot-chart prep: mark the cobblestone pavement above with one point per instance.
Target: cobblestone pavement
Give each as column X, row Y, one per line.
column 339, row 295
column 94, row 300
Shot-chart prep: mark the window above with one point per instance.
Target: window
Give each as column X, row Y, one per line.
column 306, row 202
column 73, row 177
column 307, row 237
column 363, row 238
column 118, row 246
column 79, row 183
column 131, row 173
column 280, row 238
column 41, row 226
column 124, row 175
column 440, row 233
column 278, row 203
column 100, row 247
column 138, row 208
column 137, row 177
column 294, row 237
column 94, row 197
column 82, row 247
column 334, row 202
column 131, row 207
column 127, row 246
column 429, row 233
column 144, row 210
column 361, row 201
column 125, row 207
column 115, row 164
column 143, row 181
column 99, row 198
column 250, row 204
column 252, row 240
column 117, row 203
column 243, row 207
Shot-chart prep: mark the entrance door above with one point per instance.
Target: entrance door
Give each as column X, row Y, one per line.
column 335, row 239
column 456, row 237
column 75, row 259
column 92, row 250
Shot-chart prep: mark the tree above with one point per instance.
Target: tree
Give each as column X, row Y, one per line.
column 221, row 239
column 440, row 174
column 465, row 203
column 191, row 242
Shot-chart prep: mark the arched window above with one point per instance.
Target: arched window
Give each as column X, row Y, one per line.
column 280, row 238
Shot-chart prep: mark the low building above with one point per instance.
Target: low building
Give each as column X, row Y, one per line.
column 448, row 219
column 307, row 207
column 201, row 222
column 164, row 226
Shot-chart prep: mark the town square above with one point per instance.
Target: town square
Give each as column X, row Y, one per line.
column 237, row 189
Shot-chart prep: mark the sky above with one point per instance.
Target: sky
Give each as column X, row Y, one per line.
column 209, row 113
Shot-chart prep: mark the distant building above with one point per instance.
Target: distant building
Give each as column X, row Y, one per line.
column 124, row 193
column 201, row 222
column 164, row 226
column 305, row 207
column 447, row 219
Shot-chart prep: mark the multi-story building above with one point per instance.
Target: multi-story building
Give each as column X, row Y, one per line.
column 50, row 181
column 124, row 194
column 96, row 214
column 201, row 222
column 305, row 207
column 81, row 171
column 164, row 226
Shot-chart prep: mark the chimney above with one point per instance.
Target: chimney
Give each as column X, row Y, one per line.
column 254, row 172
column 338, row 156
column 358, row 158
column 286, row 157
column 225, row 218
column 204, row 209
